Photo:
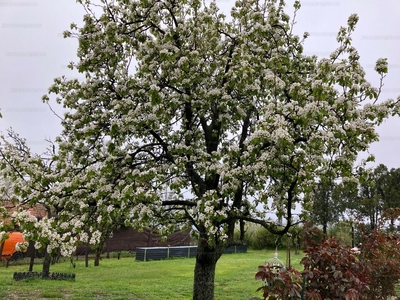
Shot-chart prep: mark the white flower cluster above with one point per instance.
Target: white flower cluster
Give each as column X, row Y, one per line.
column 45, row 233
column 142, row 212
column 68, row 248
column 3, row 236
column 381, row 65
column 21, row 246
column 83, row 237
column 95, row 237
column 23, row 217
column 209, row 214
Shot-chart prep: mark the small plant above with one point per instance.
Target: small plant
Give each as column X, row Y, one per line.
column 279, row 283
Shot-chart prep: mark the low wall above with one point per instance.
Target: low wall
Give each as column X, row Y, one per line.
column 158, row 253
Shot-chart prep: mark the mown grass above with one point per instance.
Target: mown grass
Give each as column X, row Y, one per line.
column 129, row 279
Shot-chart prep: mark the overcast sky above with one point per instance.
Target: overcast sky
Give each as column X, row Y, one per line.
column 33, row 52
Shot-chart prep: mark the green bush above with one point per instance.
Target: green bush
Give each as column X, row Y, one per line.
column 257, row 237
column 342, row 232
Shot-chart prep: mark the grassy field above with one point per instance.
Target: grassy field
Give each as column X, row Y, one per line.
column 129, row 279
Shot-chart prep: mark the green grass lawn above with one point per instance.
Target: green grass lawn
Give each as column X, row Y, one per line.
column 129, row 279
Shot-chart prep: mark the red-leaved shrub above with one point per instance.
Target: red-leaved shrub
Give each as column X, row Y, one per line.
column 337, row 273
column 333, row 272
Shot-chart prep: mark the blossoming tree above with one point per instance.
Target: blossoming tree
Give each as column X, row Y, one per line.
column 226, row 111
column 30, row 179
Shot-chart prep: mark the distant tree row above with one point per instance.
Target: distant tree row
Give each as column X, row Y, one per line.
column 378, row 192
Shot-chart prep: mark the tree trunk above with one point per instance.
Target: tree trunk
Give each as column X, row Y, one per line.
column 98, row 252
column 2, row 247
column 325, row 229
column 87, row 255
column 97, row 257
column 392, row 226
column 352, row 235
column 46, row 263
column 372, row 221
column 204, row 271
column 242, row 230
column 97, row 260
column 33, row 254
column 56, row 258
column 288, row 260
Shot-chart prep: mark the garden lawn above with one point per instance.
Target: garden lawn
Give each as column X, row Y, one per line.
column 129, row 279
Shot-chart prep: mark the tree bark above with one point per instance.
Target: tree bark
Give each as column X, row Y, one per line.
column 204, row 271
column 46, row 263
column 99, row 251
column 33, row 254
column 2, row 247
column 97, row 260
column 87, row 255
column 97, row 257
column 242, row 230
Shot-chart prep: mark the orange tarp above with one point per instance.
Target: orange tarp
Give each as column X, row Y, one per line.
column 9, row 244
